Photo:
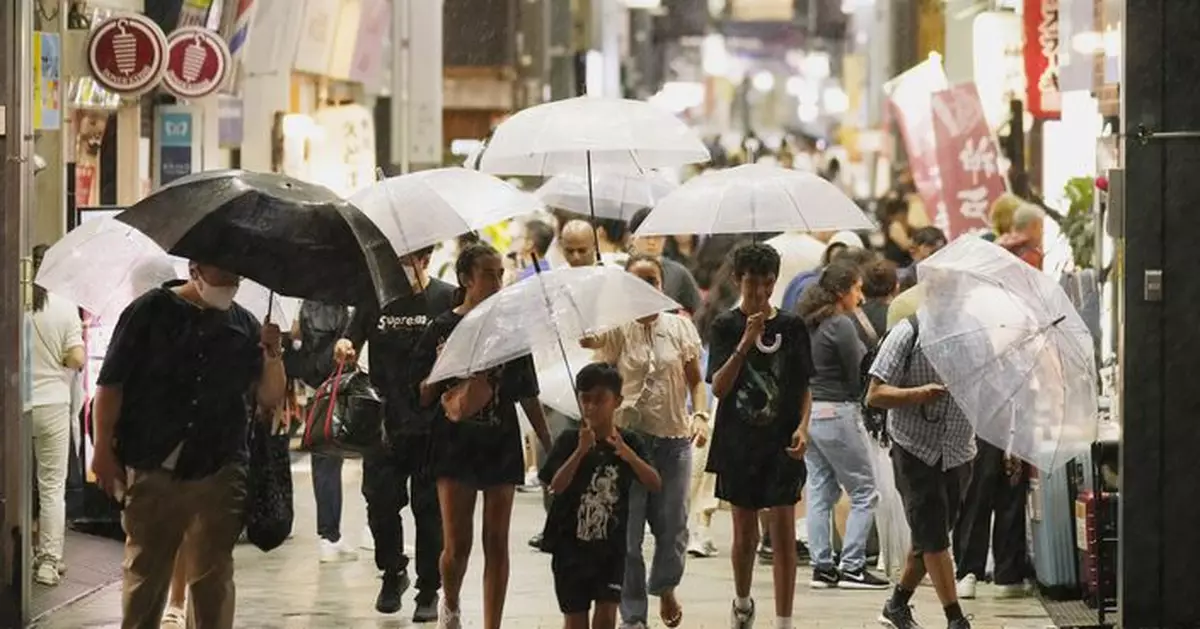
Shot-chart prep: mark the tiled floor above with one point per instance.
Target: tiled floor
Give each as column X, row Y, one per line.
column 289, row 589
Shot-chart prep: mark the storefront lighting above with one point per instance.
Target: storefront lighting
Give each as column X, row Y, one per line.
column 816, row 66
column 808, row 113
column 300, row 127
column 1087, row 43
column 835, row 100
column 714, row 57
column 678, row 96
column 804, row 90
column 643, row 4
column 594, row 73
column 763, row 81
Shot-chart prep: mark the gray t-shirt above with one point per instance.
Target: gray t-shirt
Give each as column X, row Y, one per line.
column 678, row 284
column 837, row 354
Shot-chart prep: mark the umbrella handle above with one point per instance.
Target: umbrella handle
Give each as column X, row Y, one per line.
column 592, row 206
column 270, row 302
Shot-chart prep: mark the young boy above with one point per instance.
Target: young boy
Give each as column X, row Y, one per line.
column 590, row 471
column 759, row 365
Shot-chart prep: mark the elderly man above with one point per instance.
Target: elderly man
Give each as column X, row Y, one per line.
column 1025, row 239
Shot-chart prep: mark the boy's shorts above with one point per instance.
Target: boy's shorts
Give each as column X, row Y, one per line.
column 581, row 577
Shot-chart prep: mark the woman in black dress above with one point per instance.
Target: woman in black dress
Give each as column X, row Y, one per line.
column 481, row 452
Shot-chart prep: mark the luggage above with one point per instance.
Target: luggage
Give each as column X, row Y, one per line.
column 1051, row 535
column 1096, row 531
column 345, row 416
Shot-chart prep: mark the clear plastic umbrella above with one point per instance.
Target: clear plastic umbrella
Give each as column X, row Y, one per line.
column 556, row 379
column 544, row 314
column 421, row 209
column 614, row 196
column 754, row 198
column 1012, row 350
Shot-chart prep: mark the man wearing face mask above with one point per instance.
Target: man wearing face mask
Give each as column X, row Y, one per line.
column 185, row 369
column 393, row 334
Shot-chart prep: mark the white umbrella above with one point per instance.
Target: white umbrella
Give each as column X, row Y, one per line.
column 556, row 379
column 1012, row 350
column 104, row 264
column 580, row 135
column 545, row 313
column 613, row 196
column 421, row 209
column 754, row 198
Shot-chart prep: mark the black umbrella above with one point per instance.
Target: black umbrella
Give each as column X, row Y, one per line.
column 295, row 238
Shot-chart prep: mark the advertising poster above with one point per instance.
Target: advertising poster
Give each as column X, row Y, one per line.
column 89, row 136
column 47, row 76
column 175, row 146
column 968, row 160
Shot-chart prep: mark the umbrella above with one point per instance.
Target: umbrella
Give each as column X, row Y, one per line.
column 422, row 209
column 614, row 196
column 104, row 264
column 754, row 198
column 1012, row 350
column 543, row 314
column 556, row 379
column 295, row 238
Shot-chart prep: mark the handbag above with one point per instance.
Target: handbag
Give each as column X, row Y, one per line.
column 269, row 508
column 467, row 398
column 345, row 415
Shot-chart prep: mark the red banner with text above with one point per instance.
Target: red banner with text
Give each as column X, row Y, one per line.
column 968, row 159
column 1043, row 99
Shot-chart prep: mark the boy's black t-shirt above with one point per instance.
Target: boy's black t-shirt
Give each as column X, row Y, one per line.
column 591, row 514
column 756, row 420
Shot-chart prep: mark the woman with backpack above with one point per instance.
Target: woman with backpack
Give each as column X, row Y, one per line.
column 838, row 454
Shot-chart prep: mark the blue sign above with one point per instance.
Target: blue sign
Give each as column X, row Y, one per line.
column 175, row 146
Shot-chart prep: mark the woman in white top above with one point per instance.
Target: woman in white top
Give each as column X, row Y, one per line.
column 57, row 355
column 659, row 361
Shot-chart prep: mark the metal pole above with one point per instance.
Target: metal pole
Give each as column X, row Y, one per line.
column 402, row 64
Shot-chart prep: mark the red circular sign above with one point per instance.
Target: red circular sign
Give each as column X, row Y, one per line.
column 197, row 62
column 127, row 54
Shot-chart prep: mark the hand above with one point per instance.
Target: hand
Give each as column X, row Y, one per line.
column 271, row 340
column 343, row 351
column 699, row 431
column 590, row 341
column 110, row 475
column 441, row 346
column 587, row 439
column 1014, row 469
column 755, row 324
column 798, row 446
column 927, row 393
column 618, row 443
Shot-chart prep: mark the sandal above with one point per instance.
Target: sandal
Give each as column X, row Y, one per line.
column 673, row 620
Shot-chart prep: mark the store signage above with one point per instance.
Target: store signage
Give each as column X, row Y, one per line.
column 127, row 54
column 968, row 159
column 910, row 96
column 1042, row 45
column 175, row 146
column 197, row 62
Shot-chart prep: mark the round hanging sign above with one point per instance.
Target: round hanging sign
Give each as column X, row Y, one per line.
column 127, row 54
column 198, row 61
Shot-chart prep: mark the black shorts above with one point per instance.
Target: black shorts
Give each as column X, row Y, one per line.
column 931, row 496
column 777, row 483
column 582, row 577
column 477, row 456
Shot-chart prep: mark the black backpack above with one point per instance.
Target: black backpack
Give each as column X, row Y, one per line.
column 321, row 325
column 874, row 418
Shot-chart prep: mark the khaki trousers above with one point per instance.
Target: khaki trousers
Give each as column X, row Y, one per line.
column 160, row 512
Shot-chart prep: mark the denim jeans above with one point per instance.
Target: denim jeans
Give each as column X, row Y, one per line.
column 838, row 457
column 327, row 491
column 667, row 514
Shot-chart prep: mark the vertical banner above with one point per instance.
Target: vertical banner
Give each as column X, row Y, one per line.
column 423, row 23
column 968, row 159
column 236, row 31
column 367, row 65
column 1042, row 41
column 910, row 99
column 343, row 158
column 317, row 34
column 176, row 131
column 47, row 77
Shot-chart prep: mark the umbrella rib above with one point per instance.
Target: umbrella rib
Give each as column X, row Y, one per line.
column 1012, row 394
column 796, row 204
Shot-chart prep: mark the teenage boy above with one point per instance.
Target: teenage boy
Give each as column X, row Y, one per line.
column 759, row 366
column 590, row 471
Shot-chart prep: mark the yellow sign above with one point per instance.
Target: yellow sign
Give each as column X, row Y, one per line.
column 47, row 72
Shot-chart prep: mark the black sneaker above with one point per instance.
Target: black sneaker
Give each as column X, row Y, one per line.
column 427, row 608
column 803, row 556
column 824, row 578
column 390, row 593
column 766, row 554
column 961, row 623
column 537, row 543
column 897, row 617
column 862, row 579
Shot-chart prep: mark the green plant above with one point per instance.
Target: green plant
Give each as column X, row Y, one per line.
column 1079, row 224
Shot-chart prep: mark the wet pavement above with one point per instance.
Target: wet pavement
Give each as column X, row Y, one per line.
column 289, row 589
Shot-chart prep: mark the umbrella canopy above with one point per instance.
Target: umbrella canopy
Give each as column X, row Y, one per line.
column 421, row 209
column 754, row 198
column 578, row 135
column 295, row 238
column 104, row 264
column 615, row 196
column 1012, row 350
column 556, row 379
column 545, row 313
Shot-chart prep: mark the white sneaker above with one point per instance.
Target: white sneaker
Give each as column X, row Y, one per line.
column 336, row 552
column 367, row 541
column 700, row 545
column 1015, row 590
column 741, row 618
column 174, row 618
column 448, row 618
column 47, row 574
column 966, row 587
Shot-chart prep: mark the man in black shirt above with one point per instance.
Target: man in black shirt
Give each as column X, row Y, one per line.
column 678, row 283
column 185, row 369
column 393, row 334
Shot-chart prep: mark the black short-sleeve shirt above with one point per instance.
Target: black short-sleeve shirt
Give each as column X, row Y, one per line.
column 590, row 515
column 756, row 420
column 187, row 376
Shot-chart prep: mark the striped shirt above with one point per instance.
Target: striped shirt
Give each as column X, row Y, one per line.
column 937, row 433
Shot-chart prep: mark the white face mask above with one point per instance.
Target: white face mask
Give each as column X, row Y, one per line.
column 218, row 297
column 410, row 273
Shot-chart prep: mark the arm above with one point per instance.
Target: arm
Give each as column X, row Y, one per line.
column 106, row 412
column 890, row 365
column 726, row 357
column 645, row 473
column 566, row 473
column 851, row 351
column 883, row 395
column 75, row 359
column 537, row 419
column 73, row 355
column 272, row 378
column 355, row 334
column 899, row 235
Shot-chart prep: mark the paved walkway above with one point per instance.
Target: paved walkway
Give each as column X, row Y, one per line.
column 289, row 589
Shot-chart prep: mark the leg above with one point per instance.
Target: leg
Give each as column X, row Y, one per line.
column 1008, row 536
column 220, row 502
column 604, row 616
column 634, row 604
column 385, row 491
column 178, row 597
column 457, row 502
column 428, row 518
column 783, row 532
column 155, row 517
column 851, row 462
column 668, row 515
column 52, row 437
column 327, row 492
column 497, row 515
column 745, row 542
column 821, row 491
column 972, row 531
column 575, row 621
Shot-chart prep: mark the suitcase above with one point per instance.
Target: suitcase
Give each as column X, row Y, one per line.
column 1051, row 535
column 1096, row 526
